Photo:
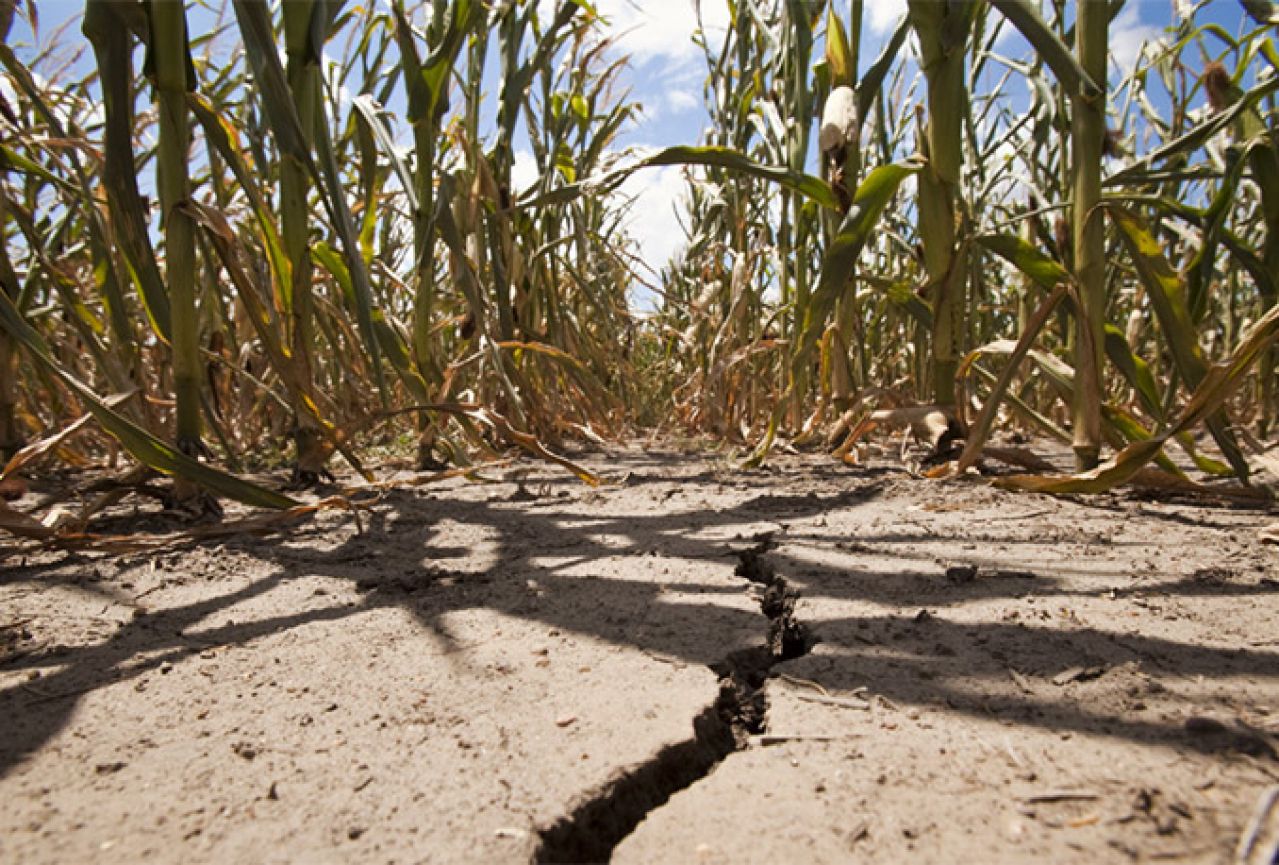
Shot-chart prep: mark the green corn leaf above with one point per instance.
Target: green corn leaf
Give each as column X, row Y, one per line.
column 872, row 197
column 1203, row 462
column 872, row 82
column 1135, row 370
column 12, row 160
column 902, row 294
column 427, row 80
column 226, row 140
column 371, row 113
column 839, row 56
column 1132, row 430
column 142, row 445
column 259, row 43
column 1252, row 264
column 1019, row 252
column 1167, row 296
column 1166, row 291
column 1199, row 272
column 107, row 31
column 340, row 211
column 812, row 188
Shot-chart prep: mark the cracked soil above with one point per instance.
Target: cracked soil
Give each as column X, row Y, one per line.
column 803, row 663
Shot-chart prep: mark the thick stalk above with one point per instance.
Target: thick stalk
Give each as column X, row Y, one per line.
column 301, row 18
column 943, row 60
column 169, row 46
column 424, row 249
column 511, row 33
column 427, row 101
column 795, row 62
column 10, row 435
column 128, row 239
column 846, row 377
column 801, row 381
column 1265, row 169
column 450, row 30
column 104, row 25
column 10, row 438
column 428, row 369
column 1088, row 133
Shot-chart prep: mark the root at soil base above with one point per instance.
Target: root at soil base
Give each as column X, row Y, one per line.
column 593, row 829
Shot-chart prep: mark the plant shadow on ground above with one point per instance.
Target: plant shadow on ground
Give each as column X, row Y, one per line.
column 402, row 558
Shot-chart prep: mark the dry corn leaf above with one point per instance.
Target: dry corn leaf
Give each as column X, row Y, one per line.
column 38, row 449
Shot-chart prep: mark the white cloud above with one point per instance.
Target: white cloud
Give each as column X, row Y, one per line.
column 665, row 29
column 524, row 171
column 1128, row 33
column 884, row 15
column 680, row 100
column 652, row 222
column 668, row 101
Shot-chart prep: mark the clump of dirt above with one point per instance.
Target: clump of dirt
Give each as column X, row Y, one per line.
column 788, row 638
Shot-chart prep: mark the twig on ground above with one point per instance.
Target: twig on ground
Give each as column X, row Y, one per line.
column 806, row 683
column 1029, row 515
column 1265, row 821
column 841, row 702
column 1062, row 796
column 673, row 660
column 885, row 703
column 767, row 739
column 1021, row 681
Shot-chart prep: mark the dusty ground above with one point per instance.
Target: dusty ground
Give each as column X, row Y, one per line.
column 528, row 668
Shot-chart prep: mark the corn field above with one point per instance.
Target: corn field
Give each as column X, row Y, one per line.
column 292, row 237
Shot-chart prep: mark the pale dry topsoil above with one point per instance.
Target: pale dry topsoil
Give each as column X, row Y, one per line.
column 808, row 662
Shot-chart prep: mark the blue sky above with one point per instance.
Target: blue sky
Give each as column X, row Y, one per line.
column 667, row 73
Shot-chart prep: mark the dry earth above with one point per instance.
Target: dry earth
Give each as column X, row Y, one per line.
column 805, row 663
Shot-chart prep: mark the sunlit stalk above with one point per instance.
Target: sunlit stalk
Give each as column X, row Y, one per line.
column 171, row 67
column 942, row 29
column 1088, row 134
column 303, row 23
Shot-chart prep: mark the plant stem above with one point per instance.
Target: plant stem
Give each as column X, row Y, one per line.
column 1088, row 134
column 169, row 37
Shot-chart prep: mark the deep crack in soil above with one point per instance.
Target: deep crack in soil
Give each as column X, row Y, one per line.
column 593, row 829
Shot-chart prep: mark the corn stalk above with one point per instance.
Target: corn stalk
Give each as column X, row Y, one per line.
column 1088, row 136
column 171, row 69
column 305, row 25
column 943, row 31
